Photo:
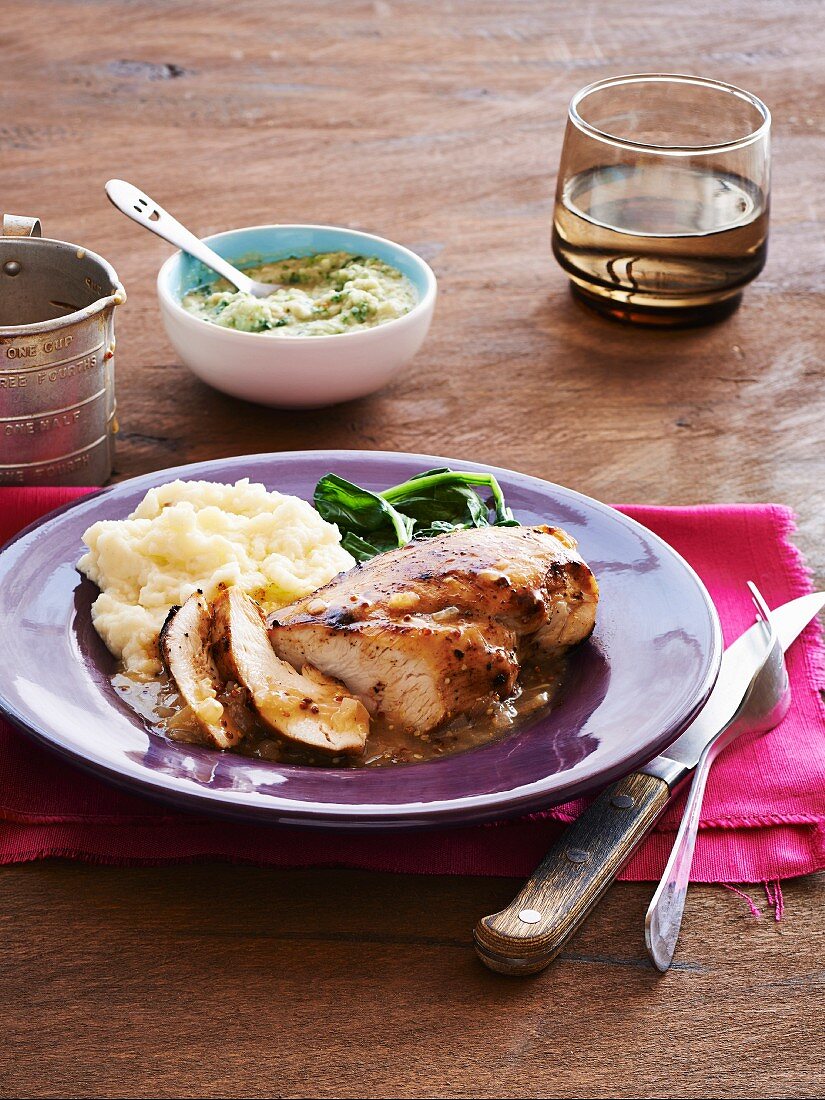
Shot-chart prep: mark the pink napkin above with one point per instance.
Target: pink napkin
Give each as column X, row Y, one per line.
column 764, row 812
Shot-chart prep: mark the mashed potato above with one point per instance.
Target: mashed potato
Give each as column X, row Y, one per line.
column 197, row 534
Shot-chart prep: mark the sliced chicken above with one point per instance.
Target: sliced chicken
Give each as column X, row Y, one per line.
column 412, row 670
column 185, row 649
column 307, row 708
column 437, row 628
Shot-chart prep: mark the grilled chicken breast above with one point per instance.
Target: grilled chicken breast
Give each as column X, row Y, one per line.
column 438, row 627
column 185, row 640
column 307, row 708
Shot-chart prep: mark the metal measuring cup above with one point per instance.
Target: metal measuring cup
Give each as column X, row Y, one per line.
column 57, row 346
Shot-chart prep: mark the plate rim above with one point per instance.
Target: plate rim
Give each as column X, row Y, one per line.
column 465, row 809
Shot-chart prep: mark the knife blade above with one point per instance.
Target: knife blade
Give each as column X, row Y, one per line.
column 529, row 933
column 739, row 663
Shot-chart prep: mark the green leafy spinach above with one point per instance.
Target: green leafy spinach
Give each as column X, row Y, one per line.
column 427, row 505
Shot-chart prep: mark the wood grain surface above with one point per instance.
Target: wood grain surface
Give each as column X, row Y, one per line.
column 437, row 124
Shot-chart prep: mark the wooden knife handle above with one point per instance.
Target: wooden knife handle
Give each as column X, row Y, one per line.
column 529, row 933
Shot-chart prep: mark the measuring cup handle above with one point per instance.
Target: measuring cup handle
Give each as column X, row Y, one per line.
column 17, row 225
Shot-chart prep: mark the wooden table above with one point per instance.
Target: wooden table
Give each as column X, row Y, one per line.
column 440, row 126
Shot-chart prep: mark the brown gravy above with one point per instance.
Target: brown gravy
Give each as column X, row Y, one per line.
column 157, row 702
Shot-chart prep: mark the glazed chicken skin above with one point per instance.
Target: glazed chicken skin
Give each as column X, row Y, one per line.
column 439, row 627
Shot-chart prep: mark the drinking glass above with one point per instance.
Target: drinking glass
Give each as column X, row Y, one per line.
column 661, row 212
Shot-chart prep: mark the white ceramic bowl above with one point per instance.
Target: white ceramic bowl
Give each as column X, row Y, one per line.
column 294, row 371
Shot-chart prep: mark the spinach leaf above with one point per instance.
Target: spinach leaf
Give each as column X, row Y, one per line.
column 429, row 504
column 359, row 512
column 445, row 483
column 428, row 498
column 360, row 548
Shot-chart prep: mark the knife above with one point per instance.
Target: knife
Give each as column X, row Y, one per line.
column 556, row 899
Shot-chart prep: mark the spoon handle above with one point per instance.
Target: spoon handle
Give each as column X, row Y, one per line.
column 146, row 212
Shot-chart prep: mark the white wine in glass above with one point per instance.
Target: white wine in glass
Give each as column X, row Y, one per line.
column 661, row 212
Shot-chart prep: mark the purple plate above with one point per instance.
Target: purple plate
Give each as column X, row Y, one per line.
column 631, row 689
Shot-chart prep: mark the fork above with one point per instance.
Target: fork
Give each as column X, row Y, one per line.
column 764, row 707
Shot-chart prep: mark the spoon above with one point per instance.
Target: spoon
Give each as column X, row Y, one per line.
column 764, row 707
column 146, row 212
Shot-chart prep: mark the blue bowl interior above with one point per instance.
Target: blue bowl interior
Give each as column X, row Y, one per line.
column 250, row 247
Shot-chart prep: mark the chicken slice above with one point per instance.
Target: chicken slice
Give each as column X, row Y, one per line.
column 413, row 671
column 308, row 708
column 185, row 650
column 437, row 628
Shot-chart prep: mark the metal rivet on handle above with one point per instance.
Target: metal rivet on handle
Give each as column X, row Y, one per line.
column 529, row 916
column 11, row 267
column 621, row 801
column 577, row 855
